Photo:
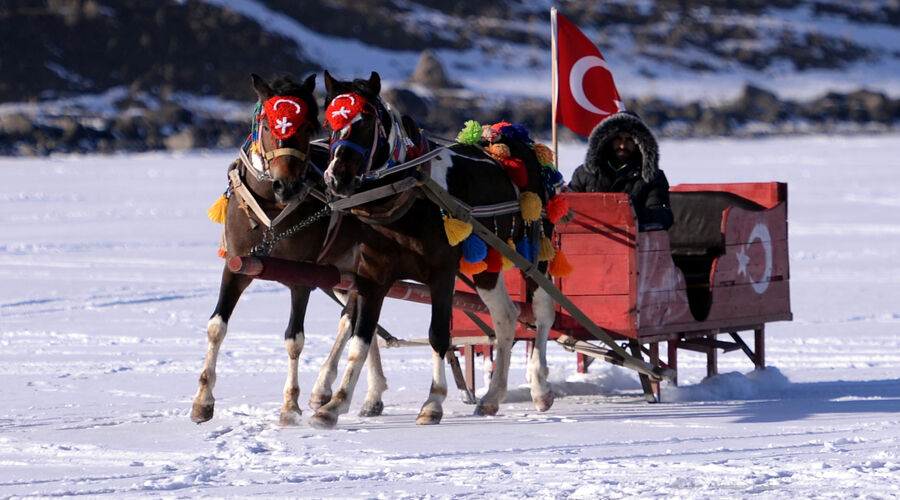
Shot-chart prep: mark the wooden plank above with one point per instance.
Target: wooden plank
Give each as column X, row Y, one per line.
column 735, row 302
column 597, row 275
column 752, row 263
column 610, row 312
column 595, row 244
column 615, row 213
column 767, row 194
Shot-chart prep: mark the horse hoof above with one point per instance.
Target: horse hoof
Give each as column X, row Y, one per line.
column 543, row 403
column 202, row 413
column 323, row 421
column 486, row 410
column 316, row 401
column 290, row 418
column 429, row 417
column 371, row 410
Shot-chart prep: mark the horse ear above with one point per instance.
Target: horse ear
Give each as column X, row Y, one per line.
column 375, row 82
column 329, row 82
column 263, row 91
column 310, row 83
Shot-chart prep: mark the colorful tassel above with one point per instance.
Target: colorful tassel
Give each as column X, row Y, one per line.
column 543, row 154
column 530, row 204
column 526, row 248
column 560, row 266
column 456, row 230
column 466, row 267
column 557, row 207
column 490, row 134
column 474, row 249
column 494, row 261
column 508, row 264
column 218, row 210
column 470, row 134
column 221, row 252
column 545, row 249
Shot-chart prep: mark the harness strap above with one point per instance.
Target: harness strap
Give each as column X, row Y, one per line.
column 241, row 189
column 331, row 235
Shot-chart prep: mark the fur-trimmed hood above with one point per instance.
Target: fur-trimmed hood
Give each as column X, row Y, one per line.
column 643, row 138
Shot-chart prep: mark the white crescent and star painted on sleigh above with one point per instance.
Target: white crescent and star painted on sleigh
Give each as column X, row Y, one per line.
column 760, row 232
column 576, row 82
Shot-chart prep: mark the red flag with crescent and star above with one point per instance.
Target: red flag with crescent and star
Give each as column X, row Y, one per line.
column 586, row 91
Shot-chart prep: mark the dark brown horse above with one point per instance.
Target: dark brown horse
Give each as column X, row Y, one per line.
column 368, row 137
column 276, row 168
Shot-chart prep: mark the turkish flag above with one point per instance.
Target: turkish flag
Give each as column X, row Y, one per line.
column 586, row 91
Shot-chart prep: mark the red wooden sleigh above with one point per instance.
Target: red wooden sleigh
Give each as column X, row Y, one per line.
column 635, row 287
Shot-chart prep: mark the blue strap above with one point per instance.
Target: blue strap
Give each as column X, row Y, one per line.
column 350, row 144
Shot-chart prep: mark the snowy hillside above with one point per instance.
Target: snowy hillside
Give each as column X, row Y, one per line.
column 169, row 75
column 109, row 273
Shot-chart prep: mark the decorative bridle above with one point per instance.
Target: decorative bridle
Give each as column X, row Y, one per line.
column 285, row 116
column 347, row 109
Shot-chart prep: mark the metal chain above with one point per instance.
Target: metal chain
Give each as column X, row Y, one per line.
column 265, row 247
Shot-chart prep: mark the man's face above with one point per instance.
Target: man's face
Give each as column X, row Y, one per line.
column 623, row 146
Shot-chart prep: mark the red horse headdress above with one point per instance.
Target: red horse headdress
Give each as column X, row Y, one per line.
column 285, row 114
column 343, row 109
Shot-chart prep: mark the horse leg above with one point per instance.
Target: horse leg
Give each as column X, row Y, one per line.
column 368, row 308
column 439, row 337
column 373, row 405
column 321, row 391
column 230, row 290
column 294, row 339
column 503, row 315
column 544, row 312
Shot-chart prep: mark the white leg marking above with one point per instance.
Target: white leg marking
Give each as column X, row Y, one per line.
column 321, row 391
column 503, row 315
column 290, row 410
column 544, row 313
column 373, row 405
column 204, row 400
column 432, row 411
column 326, row 416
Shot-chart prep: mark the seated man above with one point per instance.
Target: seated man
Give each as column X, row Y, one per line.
column 623, row 157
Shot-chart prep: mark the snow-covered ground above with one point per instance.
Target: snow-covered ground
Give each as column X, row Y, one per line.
column 109, row 273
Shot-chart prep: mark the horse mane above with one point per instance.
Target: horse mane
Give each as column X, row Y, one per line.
column 286, row 85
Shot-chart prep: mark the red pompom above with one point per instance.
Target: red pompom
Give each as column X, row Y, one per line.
column 556, row 208
column 494, row 261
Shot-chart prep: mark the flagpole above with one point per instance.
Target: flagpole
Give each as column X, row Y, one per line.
column 554, row 84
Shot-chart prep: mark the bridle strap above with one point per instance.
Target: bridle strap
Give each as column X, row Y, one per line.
column 271, row 155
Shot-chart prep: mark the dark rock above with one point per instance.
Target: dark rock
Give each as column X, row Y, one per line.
column 429, row 72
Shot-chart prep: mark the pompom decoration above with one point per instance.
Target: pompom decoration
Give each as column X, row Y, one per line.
column 543, row 154
column 470, row 134
column 557, row 207
column 546, row 252
column 474, row 249
column 515, row 131
column 516, row 171
column 498, row 151
column 530, row 204
column 489, row 134
column 221, row 252
column 494, row 261
column 560, row 266
column 456, row 230
column 508, row 264
column 218, row 209
column 470, row 268
column 553, row 180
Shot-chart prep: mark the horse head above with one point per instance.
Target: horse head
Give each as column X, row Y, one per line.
column 358, row 126
column 285, row 125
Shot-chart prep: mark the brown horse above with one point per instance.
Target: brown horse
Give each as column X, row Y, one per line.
column 367, row 137
column 279, row 163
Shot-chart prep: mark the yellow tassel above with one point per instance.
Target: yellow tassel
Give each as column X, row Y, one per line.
column 218, row 209
column 545, row 249
column 508, row 264
column 530, row 204
column 466, row 267
column 456, row 230
column 560, row 266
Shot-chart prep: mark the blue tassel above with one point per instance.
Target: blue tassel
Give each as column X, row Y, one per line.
column 474, row 249
column 526, row 248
